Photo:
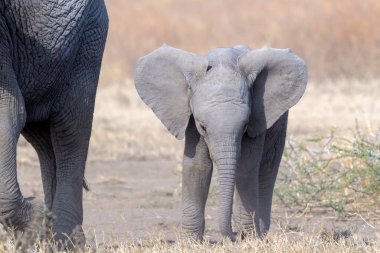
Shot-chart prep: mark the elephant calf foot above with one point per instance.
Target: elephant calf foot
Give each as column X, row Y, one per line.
column 247, row 232
column 232, row 237
column 193, row 228
column 194, row 236
column 252, row 232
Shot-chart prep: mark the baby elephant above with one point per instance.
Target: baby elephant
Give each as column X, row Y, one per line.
column 232, row 106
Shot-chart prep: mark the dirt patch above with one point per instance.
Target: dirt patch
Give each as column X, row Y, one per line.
column 131, row 199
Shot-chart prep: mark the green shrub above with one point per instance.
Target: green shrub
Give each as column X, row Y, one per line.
column 331, row 172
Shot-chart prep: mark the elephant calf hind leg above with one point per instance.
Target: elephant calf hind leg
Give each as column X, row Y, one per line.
column 273, row 149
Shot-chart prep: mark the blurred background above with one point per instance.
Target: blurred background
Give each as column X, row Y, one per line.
column 336, row 38
column 339, row 40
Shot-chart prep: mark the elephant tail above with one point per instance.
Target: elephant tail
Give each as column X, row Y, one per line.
column 85, row 184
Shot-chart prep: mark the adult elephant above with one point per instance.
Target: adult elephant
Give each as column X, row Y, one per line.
column 50, row 58
column 232, row 106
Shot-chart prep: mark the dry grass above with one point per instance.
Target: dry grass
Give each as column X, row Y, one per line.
column 287, row 241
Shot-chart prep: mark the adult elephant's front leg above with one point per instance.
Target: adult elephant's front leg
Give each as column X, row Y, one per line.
column 197, row 172
column 247, row 185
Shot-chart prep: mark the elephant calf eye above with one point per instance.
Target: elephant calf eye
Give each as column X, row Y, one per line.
column 203, row 128
column 208, row 68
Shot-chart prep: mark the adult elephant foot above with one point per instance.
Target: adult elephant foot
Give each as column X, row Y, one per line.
column 37, row 228
column 34, row 225
column 71, row 242
column 29, row 215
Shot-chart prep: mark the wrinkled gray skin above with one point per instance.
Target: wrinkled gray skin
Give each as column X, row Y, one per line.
column 50, row 58
column 232, row 106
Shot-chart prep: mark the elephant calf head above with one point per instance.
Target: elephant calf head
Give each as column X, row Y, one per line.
column 229, row 92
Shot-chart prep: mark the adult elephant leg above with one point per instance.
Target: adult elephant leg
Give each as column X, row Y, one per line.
column 196, row 177
column 70, row 133
column 38, row 134
column 247, row 185
column 273, row 149
column 15, row 211
column 71, row 127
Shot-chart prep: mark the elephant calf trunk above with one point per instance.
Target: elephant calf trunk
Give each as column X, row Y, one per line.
column 226, row 161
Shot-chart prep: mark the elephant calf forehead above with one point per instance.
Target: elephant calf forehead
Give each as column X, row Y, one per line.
column 235, row 90
column 219, row 92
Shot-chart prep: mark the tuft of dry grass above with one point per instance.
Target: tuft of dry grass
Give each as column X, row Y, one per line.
column 283, row 242
column 274, row 243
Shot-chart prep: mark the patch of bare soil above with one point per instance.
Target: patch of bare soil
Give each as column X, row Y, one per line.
column 141, row 199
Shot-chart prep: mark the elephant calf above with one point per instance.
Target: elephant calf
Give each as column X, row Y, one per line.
column 232, row 106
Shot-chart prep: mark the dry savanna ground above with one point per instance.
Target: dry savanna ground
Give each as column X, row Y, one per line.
column 327, row 192
column 134, row 172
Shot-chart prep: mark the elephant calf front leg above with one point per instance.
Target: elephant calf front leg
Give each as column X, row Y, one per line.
column 247, row 185
column 197, row 172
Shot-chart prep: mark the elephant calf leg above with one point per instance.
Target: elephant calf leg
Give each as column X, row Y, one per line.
column 273, row 149
column 247, row 185
column 197, row 172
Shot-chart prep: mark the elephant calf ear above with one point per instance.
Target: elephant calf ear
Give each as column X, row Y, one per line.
column 162, row 80
column 278, row 79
